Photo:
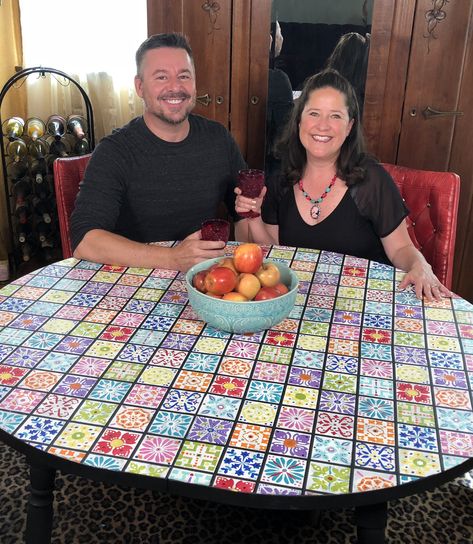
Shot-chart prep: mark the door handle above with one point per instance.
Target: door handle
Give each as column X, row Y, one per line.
column 204, row 99
column 429, row 112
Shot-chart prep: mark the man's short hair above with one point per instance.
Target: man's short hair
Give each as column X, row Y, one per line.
column 173, row 39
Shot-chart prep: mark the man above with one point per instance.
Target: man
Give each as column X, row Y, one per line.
column 161, row 175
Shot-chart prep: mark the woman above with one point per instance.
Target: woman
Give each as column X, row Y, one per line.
column 331, row 195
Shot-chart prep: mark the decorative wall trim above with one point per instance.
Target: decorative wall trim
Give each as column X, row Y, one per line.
column 433, row 17
column 212, row 9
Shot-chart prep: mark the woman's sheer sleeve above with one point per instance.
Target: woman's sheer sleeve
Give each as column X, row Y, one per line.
column 378, row 199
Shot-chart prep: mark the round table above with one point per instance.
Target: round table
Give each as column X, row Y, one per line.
column 362, row 395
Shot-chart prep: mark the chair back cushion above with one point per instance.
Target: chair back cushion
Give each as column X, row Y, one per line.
column 68, row 173
column 432, row 199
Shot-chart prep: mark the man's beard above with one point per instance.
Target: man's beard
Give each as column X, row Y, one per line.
column 177, row 121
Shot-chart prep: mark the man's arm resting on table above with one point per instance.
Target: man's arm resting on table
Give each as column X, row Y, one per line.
column 106, row 247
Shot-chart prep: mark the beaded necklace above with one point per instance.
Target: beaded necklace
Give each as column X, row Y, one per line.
column 315, row 210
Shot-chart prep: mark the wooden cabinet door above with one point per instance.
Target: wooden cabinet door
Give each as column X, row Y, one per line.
column 230, row 43
column 437, row 119
column 208, row 27
column 421, row 60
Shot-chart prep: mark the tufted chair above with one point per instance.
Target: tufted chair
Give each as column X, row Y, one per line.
column 432, row 199
column 68, row 173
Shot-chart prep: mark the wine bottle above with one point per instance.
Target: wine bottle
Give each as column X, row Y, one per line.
column 21, row 189
column 34, row 128
column 56, row 126
column 12, row 128
column 81, row 147
column 22, row 211
column 16, row 170
column 38, row 148
column 38, row 170
column 58, row 148
column 77, row 125
column 23, row 231
column 43, row 231
column 43, row 208
column 17, row 150
column 26, row 251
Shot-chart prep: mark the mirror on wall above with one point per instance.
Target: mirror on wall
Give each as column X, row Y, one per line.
column 307, row 36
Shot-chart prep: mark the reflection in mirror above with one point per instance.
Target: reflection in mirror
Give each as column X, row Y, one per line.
column 309, row 33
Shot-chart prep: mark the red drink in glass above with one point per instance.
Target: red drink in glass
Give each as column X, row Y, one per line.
column 251, row 183
column 215, row 229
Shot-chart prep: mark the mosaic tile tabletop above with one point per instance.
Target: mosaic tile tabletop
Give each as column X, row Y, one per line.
column 361, row 387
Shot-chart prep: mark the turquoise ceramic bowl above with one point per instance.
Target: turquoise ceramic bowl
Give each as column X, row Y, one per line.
column 242, row 317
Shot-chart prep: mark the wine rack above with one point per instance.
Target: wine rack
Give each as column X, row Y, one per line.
column 29, row 148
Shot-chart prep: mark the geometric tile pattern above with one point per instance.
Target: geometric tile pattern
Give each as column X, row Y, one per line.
column 361, row 387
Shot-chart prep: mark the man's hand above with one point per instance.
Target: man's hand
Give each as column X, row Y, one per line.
column 193, row 250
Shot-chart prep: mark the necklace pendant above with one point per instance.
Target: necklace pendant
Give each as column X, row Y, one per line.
column 315, row 212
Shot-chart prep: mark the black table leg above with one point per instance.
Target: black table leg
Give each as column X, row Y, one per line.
column 39, row 519
column 371, row 523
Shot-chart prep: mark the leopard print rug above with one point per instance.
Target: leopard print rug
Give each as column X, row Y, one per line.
column 87, row 512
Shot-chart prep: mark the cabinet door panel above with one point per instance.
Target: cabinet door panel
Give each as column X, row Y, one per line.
column 208, row 27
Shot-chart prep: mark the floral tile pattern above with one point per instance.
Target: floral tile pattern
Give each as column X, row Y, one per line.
column 362, row 387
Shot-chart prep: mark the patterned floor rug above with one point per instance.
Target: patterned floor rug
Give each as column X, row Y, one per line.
column 87, row 512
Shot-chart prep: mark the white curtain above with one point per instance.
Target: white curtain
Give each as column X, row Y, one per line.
column 94, row 42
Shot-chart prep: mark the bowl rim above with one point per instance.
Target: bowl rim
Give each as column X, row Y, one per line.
column 216, row 259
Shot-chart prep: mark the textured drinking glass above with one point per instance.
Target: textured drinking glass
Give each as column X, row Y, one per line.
column 215, row 229
column 251, row 182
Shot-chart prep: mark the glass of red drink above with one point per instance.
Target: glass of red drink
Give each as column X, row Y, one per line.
column 251, row 182
column 215, row 229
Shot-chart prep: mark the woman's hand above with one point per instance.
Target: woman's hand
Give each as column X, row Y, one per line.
column 244, row 204
column 425, row 282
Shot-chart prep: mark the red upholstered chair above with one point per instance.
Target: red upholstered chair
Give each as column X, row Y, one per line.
column 68, row 173
column 432, row 199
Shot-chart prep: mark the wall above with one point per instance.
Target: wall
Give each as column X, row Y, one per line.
column 14, row 101
column 321, row 11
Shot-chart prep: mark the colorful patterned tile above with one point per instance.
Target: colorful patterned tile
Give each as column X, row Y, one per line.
column 193, row 381
column 11, row 376
column 375, row 387
column 376, row 369
column 325, row 478
column 10, row 421
column 22, row 400
column 374, row 456
column 259, row 413
column 241, row 463
column 109, row 390
column 149, row 396
column 168, row 357
column 376, row 408
column 218, row 406
column 213, row 430
column 456, row 443
column 200, row 362
column 41, row 380
column 377, row 431
column 124, row 371
column 102, row 348
column 39, row 429
column 291, row 443
column 229, row 386
column 90, row 366
column 418, row 463
column 341, row 403
column 331, row 450
column 416, row 437
column 77, row 436
column 452, row 398
column 157, row 449
column 302, row 397
column 148, row 469
column 195, row 455
column 273, row 354
column 455, row 420
column 368, row 480
column 171, row 424
column 337, row 425
column 340, row 382
column 94, row 412
column 182, row 401
column 412, row 373
column 234, row 484
column 104, row 462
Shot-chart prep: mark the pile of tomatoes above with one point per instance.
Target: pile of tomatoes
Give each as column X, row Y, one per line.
column 242, row 277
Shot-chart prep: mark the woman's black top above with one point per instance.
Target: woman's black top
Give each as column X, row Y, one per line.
column 370, row 210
